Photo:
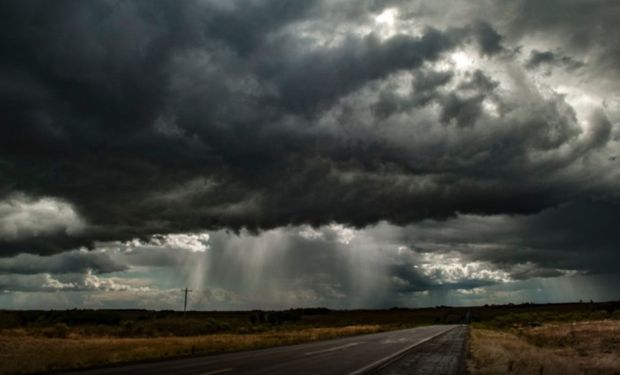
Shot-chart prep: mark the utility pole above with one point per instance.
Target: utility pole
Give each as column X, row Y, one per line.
column 185, row 301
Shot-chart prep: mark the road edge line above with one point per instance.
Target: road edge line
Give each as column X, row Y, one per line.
column 391, row 358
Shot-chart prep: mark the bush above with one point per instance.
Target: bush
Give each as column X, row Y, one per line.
column 257, row 317
column 276, row 317
column 59, row 331
column 8, row 320
column 172, row 327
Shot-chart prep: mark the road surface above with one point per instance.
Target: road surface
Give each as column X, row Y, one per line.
column 443, row 355
column 347, row 356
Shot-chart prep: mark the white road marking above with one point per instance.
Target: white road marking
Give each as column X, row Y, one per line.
column 395, row 355
column 335, row 348
column 217, row 371
column 391, row 340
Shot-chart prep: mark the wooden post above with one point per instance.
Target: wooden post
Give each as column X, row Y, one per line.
column 185, row 301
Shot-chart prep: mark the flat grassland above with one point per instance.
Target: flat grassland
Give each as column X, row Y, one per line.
column 27, row 354
column 38, row 341
column 546, row 344
column 521, row 339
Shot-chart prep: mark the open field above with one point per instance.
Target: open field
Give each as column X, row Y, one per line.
column 16, row 353
column 546, row 343
column 85, row 338
column 149, row 324
column 566, row 348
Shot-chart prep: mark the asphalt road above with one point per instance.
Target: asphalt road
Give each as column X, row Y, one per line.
column 443, row 355
column 347, row 356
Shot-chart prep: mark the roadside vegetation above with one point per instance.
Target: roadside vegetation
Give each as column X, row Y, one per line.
column 582, row 340
column 520, row 339
column 31, row 354
column 86, row 338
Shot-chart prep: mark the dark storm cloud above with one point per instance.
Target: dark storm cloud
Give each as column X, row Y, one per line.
column 158, row 117
column 586, row 31
column 490, row 41
column 580, row 236
column 538, row 58
column 322, row 78
column 68, row 262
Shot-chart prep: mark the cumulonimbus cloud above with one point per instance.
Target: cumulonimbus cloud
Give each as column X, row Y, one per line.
column 164, row 117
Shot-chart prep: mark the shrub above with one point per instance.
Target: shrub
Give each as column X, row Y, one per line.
column 58, row 330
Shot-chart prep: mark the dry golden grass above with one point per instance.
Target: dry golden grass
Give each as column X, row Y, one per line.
column 568, row 348
column 22, row 354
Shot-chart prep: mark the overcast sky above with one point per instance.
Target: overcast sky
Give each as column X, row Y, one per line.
column 284, row 153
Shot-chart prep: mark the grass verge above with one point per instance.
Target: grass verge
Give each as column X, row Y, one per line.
column 560, row 348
